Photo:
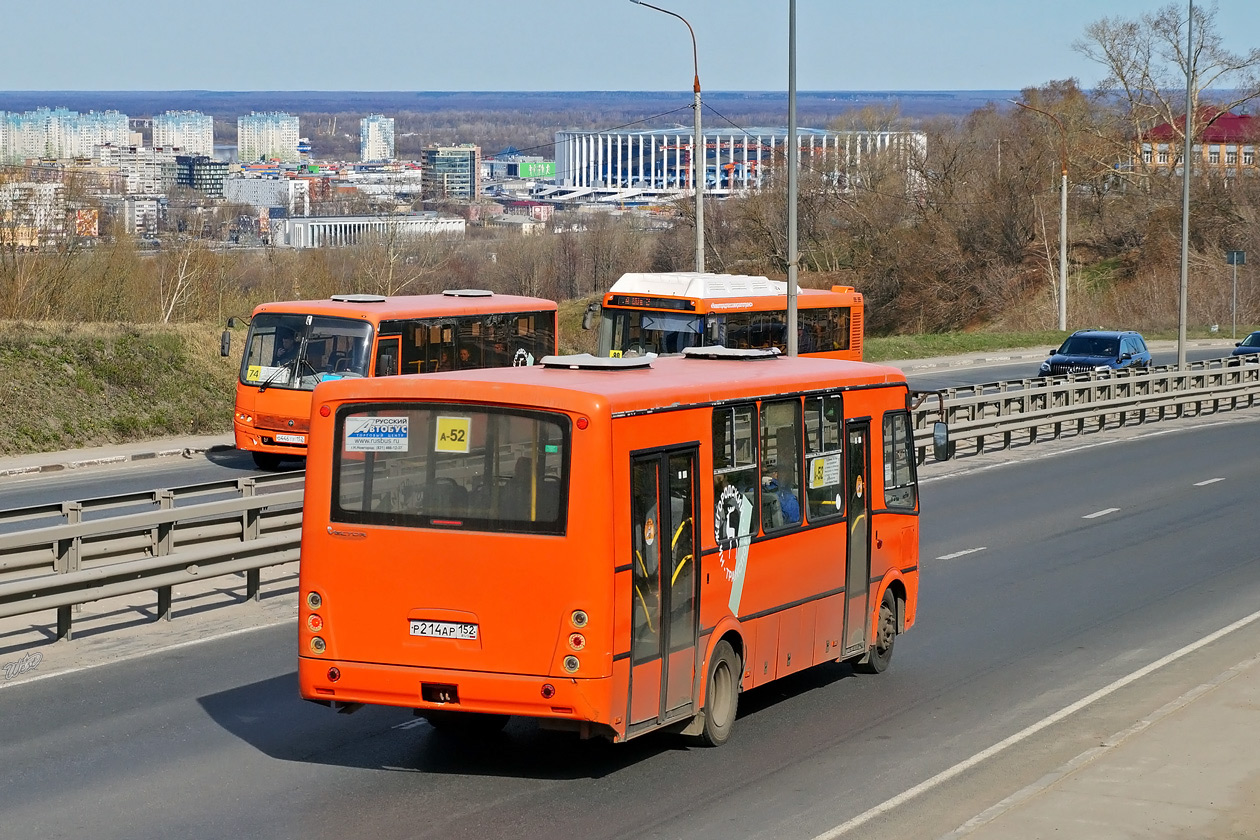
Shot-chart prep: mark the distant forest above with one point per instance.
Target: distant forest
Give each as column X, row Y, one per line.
column 526, row 121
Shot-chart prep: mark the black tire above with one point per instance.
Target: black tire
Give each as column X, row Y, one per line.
column 266, row 461
column 721, row 696
column 465, row 724
column 877, row 658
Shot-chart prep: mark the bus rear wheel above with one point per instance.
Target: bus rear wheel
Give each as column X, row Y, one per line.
column 877, row 658
column 465, row 724
column 721, row 697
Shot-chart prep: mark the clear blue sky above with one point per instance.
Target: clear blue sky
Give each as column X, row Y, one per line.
column 558, row 44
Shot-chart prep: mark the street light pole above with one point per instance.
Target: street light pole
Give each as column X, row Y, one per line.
column 1185, row 195
column 793, row 166
column 1063, row 187
column 699, row 151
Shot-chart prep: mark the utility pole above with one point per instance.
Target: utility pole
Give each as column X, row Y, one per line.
column 699, row 150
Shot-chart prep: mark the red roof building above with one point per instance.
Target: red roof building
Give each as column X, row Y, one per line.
column 1226, row 144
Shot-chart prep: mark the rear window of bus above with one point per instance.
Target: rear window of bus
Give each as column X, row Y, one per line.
column 461, row 467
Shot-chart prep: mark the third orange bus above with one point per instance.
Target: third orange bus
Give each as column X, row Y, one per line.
column 666, row 312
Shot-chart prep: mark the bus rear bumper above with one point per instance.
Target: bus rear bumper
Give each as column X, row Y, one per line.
column 467, row 691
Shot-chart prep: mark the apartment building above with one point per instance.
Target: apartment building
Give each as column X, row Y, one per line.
column 273, row 135
column 376, row 138
column 191, row 131
column 59, row 134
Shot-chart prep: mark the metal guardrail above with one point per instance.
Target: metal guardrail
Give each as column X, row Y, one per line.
column 1003, row 412
column 153, row 540
column 73, row 553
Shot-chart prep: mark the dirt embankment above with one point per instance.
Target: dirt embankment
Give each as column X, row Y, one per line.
column 75, row 385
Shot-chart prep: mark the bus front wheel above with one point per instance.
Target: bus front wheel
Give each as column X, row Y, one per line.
column 721, row 696
column 877, row 658
column 266, row 461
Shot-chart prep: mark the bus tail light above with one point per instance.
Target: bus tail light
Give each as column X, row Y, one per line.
column 324, row 410
column 577, row 641
column 582, row 423
column 315, row 622
column 318, row 645
column 334, row 674
column 571, row 664
column 313, row 600
column 579, row 618
column 548, row 691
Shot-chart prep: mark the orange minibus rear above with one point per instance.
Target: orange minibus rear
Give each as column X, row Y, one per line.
column 612, row 546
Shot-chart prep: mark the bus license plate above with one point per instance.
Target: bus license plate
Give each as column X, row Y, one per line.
column 291, row 438
column 444, row 629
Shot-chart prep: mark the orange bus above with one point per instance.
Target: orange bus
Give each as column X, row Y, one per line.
column 611, row 546
column 664, row 313
column 293, row 345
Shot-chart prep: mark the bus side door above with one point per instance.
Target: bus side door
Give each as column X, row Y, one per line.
column 858, row 562
column 664, row 626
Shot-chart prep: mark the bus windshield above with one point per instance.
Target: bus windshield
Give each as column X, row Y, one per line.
column 629, row 330
column 296, row 352
column 479, row 469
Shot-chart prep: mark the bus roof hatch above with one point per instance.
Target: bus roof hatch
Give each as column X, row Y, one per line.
column 467, row 292
column 586, row 361
column 717, row 351
column 359, row 298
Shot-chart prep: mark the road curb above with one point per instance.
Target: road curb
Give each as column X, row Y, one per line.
column 106, row 460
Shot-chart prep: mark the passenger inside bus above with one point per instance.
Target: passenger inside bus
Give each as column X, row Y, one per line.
column 780, row 496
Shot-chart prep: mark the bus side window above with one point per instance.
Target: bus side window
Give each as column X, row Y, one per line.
column 900, row 485
column 387, row 355
column 735, row 482
column 780, row 458
column 824, row 478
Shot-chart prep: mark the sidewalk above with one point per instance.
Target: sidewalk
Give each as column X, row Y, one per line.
column 1189, row 770
column 46, row 462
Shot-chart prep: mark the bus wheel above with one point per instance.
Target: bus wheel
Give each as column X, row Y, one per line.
column 877, row 658
column 467, row 724
column 721, row 696
column 266, row 461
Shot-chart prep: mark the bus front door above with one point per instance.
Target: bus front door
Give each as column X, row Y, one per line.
column 663, row 502
column 858, row 562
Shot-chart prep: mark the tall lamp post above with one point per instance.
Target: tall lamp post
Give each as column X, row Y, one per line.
column 699, row 151
column 1062, row 214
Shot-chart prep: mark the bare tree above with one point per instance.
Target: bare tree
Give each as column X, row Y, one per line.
column 1146, row 60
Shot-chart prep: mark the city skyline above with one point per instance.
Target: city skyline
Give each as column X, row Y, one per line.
column 566, row 45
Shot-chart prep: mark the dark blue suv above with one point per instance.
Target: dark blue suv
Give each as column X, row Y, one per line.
column 1086, row 350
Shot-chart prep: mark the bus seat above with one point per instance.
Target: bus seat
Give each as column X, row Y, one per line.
column 447, row 496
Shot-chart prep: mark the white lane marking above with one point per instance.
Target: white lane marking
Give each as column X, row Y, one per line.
column 962, row 553
column 1027, row 732
column 1206, row 483
column 1099, row 513
column 409, row 724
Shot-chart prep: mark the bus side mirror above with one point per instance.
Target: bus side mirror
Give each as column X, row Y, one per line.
column 225, row 343
column 591, row 315
column 232, row 323
column 942, row 446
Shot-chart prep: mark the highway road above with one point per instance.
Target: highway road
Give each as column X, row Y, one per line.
column 142, row 476
column 1043, row 582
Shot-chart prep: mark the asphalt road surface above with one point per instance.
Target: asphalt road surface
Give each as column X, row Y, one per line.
column 1043, row 582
